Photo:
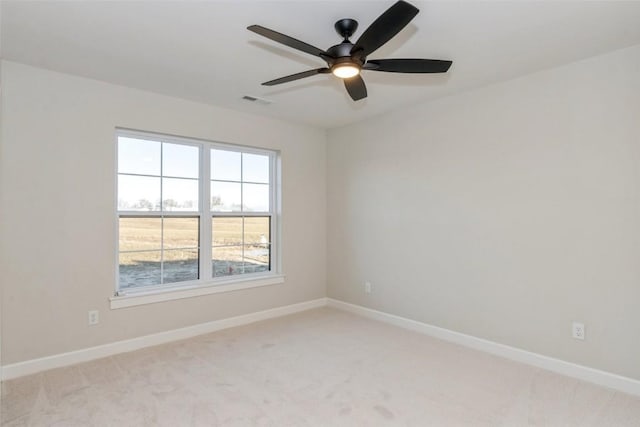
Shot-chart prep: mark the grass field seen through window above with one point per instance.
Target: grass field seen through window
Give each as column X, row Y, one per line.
column 157, row 250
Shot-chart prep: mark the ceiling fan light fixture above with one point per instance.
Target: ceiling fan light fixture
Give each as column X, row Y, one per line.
column 346, row 60
column 345, row 70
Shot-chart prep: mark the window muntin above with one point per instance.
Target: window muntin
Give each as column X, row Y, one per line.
column 165, row 239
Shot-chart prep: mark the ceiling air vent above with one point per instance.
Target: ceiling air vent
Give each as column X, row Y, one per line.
column 257, row 100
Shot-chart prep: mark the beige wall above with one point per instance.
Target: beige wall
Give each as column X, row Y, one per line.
column 57, row 223
column 505, row 213
column 1, row 281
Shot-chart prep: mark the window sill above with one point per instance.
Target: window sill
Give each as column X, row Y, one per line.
column 162, row 295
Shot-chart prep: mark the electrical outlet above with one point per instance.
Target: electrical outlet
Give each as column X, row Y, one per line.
column 94, row 317
column 367, row 287
column 578, row 331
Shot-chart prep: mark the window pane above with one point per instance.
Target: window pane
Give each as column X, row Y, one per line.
column 179, row 194
column 179, row 160
column 225, row 196
column 256, row 230
column 256, row 258
column 180, row 265
column 138, row 156
column 226, row 231
column 138, row 193
column 225, row 165
column 255, row 168
column 255, row 197
column 138, row 234
column 139, row 269
column 160, row 211
column 227, row 261
column 180, row 233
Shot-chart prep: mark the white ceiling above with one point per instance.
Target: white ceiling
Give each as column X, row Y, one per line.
column 202, row 51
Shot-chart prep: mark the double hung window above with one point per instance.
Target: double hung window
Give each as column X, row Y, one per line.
column 192, row 212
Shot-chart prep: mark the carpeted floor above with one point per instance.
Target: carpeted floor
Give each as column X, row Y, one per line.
column 323, row 367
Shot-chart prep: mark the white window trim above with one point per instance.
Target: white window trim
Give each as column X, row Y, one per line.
column 204, row 286
column 189, row 291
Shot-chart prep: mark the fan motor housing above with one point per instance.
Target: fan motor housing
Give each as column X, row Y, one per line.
column 343, row 51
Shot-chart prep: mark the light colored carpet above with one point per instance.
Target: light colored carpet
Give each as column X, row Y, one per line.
column 322, row 367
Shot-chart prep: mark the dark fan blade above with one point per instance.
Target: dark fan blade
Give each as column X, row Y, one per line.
column 356, row 87
column 296, row 76
column 384, row 28
column 408, row 65
column 286, row 40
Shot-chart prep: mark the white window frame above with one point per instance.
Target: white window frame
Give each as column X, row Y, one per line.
column 206, row 284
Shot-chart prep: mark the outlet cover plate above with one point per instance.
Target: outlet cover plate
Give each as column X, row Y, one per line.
column 578, row 331
column 94, row 317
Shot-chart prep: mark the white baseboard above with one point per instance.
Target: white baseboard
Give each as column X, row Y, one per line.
column 65, row 359
column 606, row 379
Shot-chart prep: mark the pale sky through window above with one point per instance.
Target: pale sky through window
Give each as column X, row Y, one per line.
column 178, row 164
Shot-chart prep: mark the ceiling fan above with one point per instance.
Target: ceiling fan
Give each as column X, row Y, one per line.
column 346, row 60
